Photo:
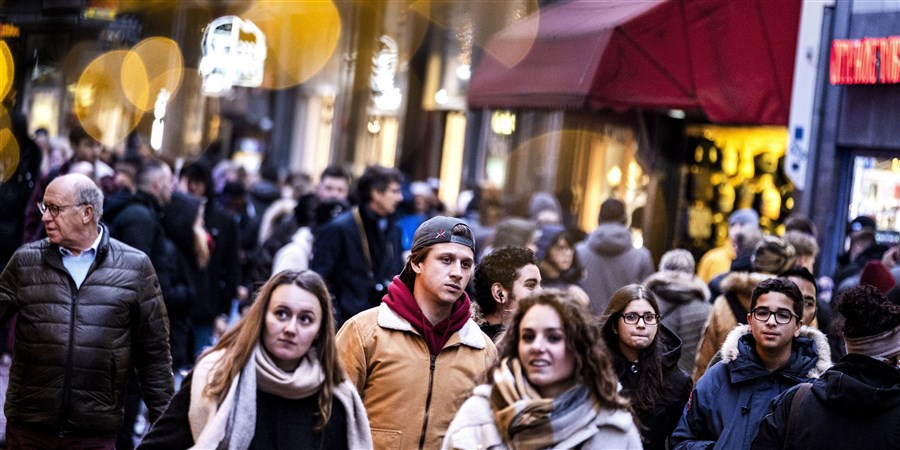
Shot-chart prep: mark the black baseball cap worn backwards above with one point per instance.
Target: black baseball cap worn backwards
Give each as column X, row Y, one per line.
column 439, row 230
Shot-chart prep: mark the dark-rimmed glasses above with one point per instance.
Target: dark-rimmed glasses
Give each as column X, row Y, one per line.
column 54, row 209
column 782, row 316
column 632, row 318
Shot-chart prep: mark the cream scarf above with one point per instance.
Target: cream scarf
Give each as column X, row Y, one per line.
column 232, row 423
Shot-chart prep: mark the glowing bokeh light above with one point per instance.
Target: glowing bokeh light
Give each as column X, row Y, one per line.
column 101, row 105
column 7, row 68
column 152, row 65
column 77, row 58
column 514, row 22
column 301, row 38
column 9, row 148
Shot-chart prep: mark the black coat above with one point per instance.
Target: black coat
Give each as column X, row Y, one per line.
column 659, row 422
column 136, row 219
column 853, row 405
column 224, row 269
column 14, row 195
column 76, row 346
column 872, row 253
column 280, row 424
column 338, row 257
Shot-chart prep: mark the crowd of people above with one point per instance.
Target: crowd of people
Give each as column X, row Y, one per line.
column 356, row 313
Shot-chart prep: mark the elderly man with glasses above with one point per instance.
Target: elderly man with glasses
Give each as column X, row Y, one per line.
column 89, row 313
column 760, row 360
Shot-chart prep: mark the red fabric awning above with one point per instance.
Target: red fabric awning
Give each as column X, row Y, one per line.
column 734, row 59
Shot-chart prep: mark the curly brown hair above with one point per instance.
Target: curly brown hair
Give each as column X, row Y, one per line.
column 593, row 366
column 866, row 312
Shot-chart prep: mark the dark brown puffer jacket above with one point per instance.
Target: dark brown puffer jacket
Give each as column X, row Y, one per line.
column 75, row 346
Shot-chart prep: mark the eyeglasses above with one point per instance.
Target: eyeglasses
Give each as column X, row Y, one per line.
column 782, row 316
column 55, row 209
column 632, row 318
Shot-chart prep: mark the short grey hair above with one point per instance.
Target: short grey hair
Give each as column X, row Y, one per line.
column 677, row 260
column 89, row 194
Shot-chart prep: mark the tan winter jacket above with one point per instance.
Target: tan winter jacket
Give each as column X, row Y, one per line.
column 410, row 396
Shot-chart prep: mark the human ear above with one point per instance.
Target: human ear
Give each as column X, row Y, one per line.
column 497, row 293
column 416, row 267
column 87, row 213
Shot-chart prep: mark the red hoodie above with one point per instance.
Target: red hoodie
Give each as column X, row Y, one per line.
column 402, row 302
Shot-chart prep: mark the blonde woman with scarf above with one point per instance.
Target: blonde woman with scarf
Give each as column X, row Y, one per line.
column 273, row 381
column 553, row 386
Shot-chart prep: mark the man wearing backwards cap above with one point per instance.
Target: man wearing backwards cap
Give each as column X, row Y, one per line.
column 413, row 356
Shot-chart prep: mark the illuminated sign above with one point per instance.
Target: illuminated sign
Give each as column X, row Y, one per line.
column 234, row 54
column 385, row 62
column 865, row 61
column 8, row 30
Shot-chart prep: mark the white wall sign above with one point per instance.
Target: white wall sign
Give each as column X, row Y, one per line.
column 804, row 91
column 234, row 54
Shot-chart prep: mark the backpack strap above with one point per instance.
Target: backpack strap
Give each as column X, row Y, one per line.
column 740, row 313
column 799, row 396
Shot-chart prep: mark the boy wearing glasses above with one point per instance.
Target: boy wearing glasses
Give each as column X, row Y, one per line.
column 760, row 360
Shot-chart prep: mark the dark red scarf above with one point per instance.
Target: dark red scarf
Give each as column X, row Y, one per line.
column 402, row 302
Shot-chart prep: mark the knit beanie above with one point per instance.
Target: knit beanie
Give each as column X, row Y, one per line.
column 744, row 216
column 677, row 260
column 549, row 234
column 875, row 274
column 543, row 201
column 772, row 255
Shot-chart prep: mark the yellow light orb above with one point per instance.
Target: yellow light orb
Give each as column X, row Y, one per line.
column 7, row 69
column 101, row 105
column 9, row 148
column 301, row 38
column 152, row 65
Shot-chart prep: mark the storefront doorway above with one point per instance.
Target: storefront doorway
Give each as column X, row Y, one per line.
column 875, row 192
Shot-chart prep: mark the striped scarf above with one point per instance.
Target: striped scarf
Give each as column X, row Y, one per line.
column 527, row 421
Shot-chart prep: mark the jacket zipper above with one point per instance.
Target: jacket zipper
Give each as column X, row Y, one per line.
column 427, row 402
column 67, row 381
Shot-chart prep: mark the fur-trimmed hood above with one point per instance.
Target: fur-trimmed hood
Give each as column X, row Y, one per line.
column 731, row 348
column 743, row 282
column 677, row 287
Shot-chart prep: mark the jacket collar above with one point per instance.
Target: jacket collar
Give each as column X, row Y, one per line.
column 53, row 256
column 469, row 335
column 732, row 348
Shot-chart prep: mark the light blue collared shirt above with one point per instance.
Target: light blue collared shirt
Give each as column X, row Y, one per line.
column 78, row 266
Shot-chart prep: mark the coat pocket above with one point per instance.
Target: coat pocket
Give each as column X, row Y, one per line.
column 386, row 439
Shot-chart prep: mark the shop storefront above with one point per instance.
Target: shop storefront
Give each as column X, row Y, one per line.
column 857, row 162
column 733, row 168
column 661, row 104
